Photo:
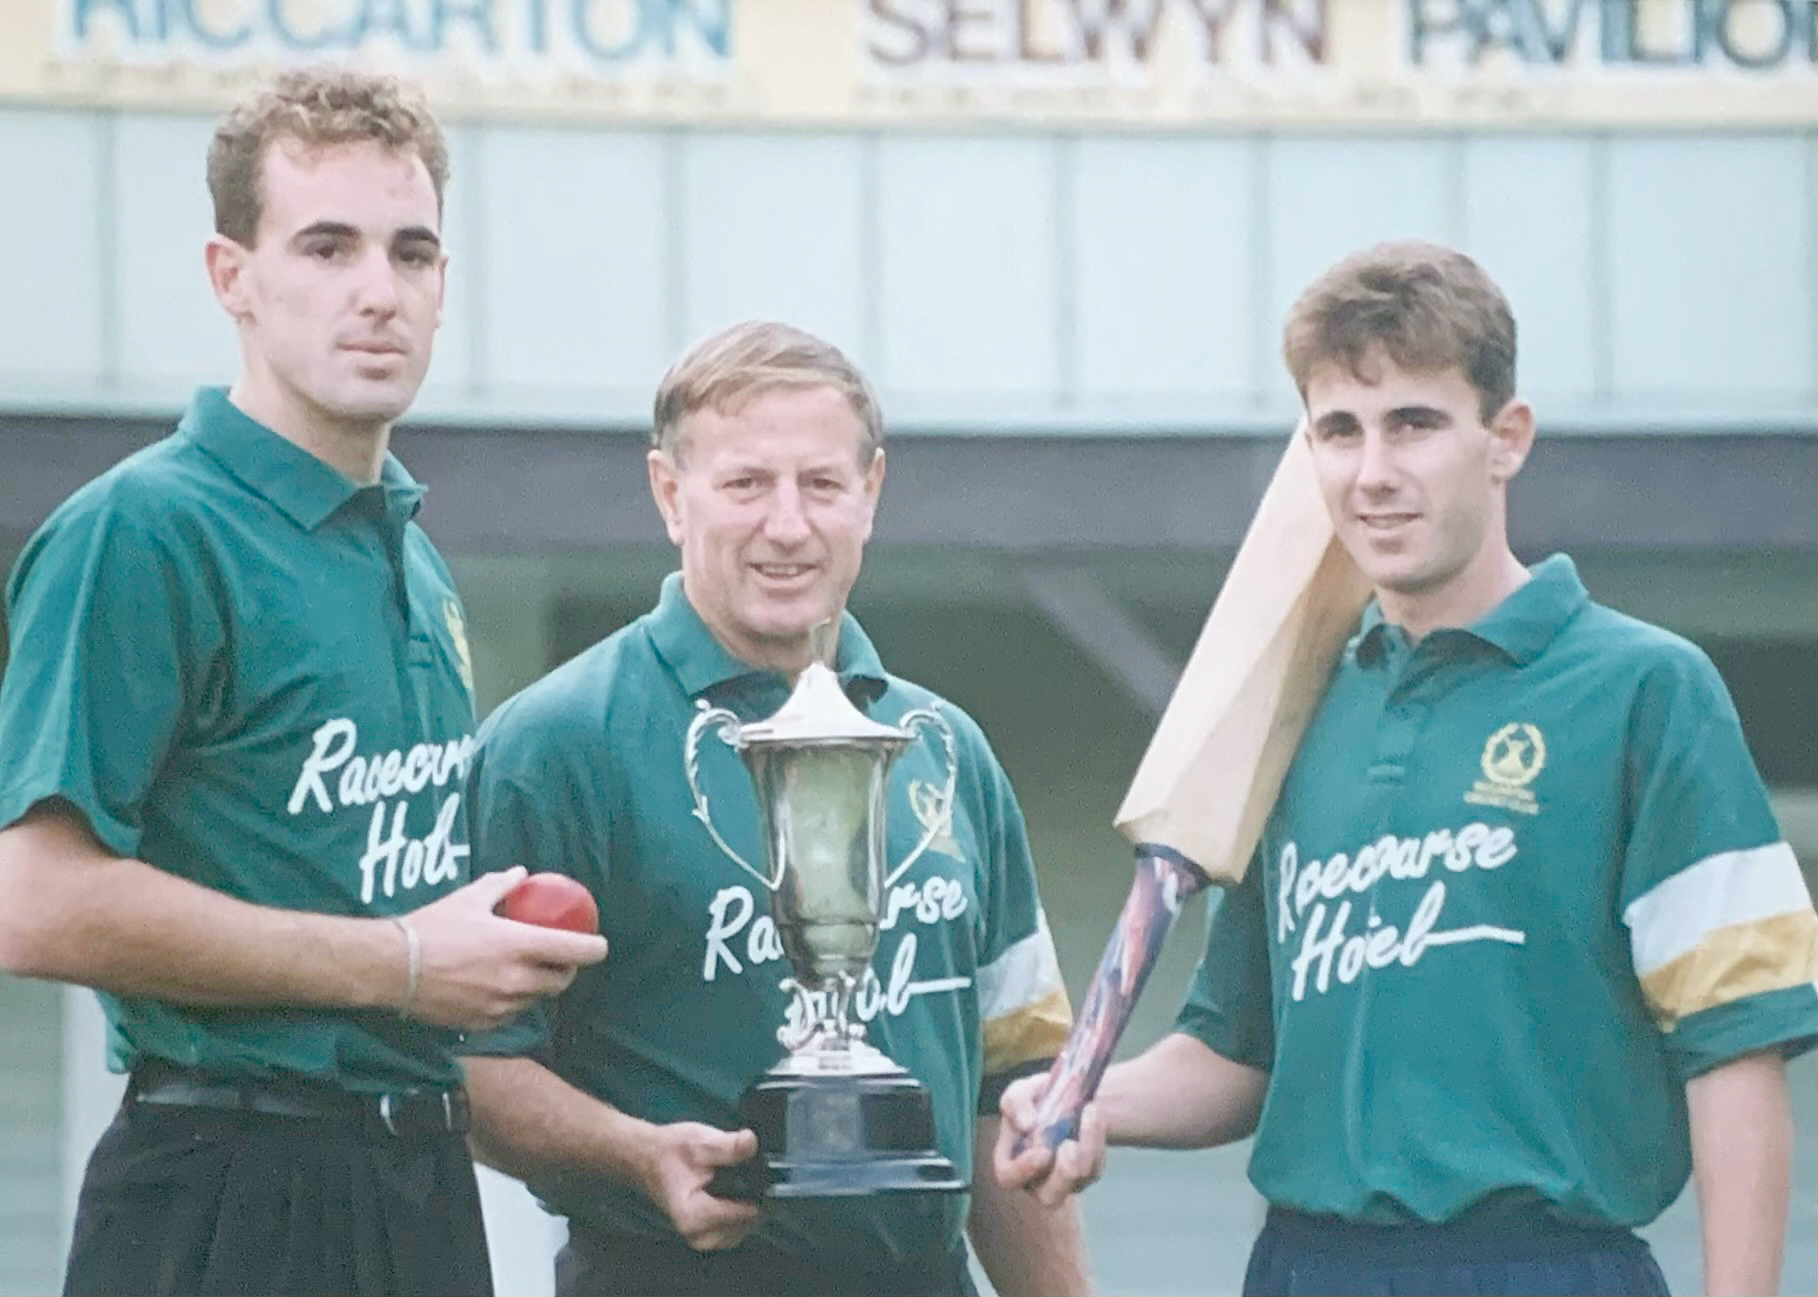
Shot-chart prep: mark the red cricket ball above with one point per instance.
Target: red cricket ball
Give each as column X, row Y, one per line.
column 552, row 901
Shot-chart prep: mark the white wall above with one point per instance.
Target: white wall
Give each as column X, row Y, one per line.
column 985, row 280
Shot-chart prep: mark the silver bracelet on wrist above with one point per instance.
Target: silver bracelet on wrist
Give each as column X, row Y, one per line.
column 414, row 953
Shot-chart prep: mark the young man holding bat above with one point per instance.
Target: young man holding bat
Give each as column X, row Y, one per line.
column 1520, row 947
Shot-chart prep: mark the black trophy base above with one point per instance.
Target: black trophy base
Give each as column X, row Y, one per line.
column 836, row 1136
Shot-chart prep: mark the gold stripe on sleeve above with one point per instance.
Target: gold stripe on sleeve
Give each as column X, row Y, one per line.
column 1034, row 1031
column 1732, row 962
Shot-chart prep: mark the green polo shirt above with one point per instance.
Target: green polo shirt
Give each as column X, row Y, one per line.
column 583, row 772
column 243, row 669
column 1521, row 882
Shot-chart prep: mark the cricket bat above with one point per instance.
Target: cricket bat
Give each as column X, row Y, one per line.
column 1207, row 782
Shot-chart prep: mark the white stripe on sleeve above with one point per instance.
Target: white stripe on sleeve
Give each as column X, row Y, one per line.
column 1717, row 892
column 1023, row 975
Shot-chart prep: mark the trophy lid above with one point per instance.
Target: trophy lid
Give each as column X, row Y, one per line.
column 818, row 710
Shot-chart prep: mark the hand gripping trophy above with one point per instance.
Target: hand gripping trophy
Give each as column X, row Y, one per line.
column 835, row 1116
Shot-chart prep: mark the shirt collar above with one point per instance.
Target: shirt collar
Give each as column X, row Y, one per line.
column 307, row 490
column 1521, row 626
column 702, row 664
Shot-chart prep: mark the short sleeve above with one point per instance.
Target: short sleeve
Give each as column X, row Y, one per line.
column 1722, row 931
column 1022, row 1003
column 1228, row 1007
column 509, row 826
column 105, row 638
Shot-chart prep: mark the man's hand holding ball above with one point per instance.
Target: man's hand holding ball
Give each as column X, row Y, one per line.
column 552, row 901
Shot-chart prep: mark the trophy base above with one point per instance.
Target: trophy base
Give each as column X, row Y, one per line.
column 838, row 1134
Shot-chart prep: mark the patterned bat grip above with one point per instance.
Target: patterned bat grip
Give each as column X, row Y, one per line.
column 1164, row 880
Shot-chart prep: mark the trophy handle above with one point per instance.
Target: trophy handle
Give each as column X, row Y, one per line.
column 928, row 717
column 728, row 726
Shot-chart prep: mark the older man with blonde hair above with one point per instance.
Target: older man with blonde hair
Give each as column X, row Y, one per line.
column 619, row 1104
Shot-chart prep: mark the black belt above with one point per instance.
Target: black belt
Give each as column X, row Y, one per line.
column 402, row 1113
column 1506, row 1235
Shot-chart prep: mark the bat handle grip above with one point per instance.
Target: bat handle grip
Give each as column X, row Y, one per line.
column 1164, row 880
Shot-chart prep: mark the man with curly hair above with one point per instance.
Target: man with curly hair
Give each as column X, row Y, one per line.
column 233, row 732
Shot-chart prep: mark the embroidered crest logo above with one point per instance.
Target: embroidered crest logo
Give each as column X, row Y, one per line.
column 1511, row 760
column 929, row 807
column 457, row 631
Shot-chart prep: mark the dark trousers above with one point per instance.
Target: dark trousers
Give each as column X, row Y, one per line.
column 1301, row 1256
column 598, row 1263
column 209, row 1200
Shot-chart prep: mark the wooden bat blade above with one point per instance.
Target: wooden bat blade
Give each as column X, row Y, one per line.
column 1209, row 778
column 1216, row 761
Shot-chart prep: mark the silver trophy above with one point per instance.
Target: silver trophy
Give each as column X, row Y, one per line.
column 835, row 1116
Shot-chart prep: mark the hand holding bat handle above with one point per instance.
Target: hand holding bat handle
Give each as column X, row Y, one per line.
column 1164, row 880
